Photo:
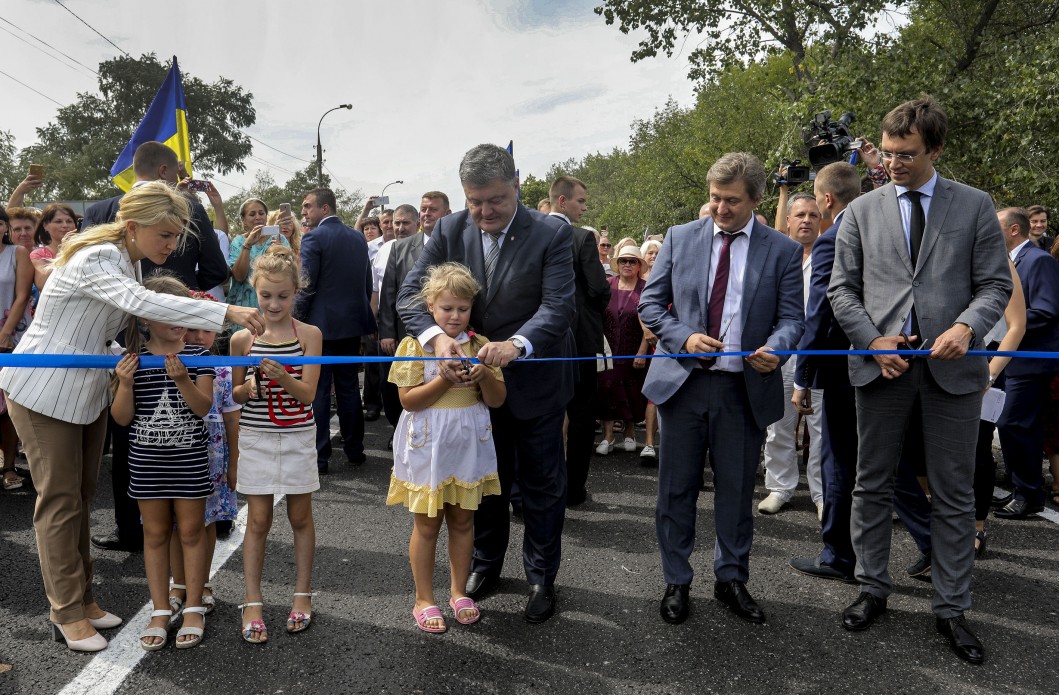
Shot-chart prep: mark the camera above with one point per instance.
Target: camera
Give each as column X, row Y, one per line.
column 793, row 173
column 829, row 141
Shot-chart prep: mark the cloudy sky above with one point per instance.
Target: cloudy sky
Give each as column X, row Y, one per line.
column 427, row 79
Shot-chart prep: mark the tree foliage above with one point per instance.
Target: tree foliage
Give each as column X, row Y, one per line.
column 81, row 144
column 293, row 191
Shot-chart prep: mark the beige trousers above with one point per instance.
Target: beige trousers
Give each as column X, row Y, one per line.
column 64, row 462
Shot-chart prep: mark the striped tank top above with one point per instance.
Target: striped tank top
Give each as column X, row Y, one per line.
column 274, row 408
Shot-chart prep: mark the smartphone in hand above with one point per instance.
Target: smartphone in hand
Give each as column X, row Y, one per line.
column 36, row 170
column 271, row 230
column 198, row 186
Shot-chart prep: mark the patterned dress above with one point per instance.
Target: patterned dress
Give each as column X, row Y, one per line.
column 621, row 388
column 221, row 504
column 167, row 442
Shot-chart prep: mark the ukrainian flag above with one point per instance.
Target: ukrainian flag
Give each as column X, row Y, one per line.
column 166, row 122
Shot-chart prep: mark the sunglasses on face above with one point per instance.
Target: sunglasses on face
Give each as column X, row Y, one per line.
column 627, row 261
column 604, row 246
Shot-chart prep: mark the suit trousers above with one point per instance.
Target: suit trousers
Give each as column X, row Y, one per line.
column 581, row 432
column 950, row 429
column 1021, row 428
column 839, row 469
column 64, row 462
column 529, row 452
column 347, row 397
column 126, row 509
column 709, row 412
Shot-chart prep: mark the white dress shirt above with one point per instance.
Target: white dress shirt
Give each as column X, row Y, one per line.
column 731, row 332
column 905, row 203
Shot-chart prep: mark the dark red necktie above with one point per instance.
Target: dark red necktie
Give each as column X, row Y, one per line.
column 715, row 309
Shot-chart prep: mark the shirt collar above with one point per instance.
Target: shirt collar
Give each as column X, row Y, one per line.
column 926, row 189
column 503, row 233
column 463, row 338
column 561, row 216
column 1015, row 251
column 745, row 230
column 329, row 217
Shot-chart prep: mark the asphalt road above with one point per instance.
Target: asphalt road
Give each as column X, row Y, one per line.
column 606, row 637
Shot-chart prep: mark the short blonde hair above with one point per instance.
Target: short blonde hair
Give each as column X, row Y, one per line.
column 454, row 278
column 147, row 205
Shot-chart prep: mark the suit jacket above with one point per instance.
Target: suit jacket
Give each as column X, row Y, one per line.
column 402, row 259
column 199, row 263
column 1039, row 275
column 591, row 292
column 532, row 295
column 822, row 331
column 85, row 303
column 337, row 295
column 961, row 276
column 1045, row 242
column 673, row 306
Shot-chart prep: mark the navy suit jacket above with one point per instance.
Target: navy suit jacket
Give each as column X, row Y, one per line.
column 673, row 306
column 199, row 263
column 337, row 295
column 822, row 331
column 532, row 295
column 1039, row 275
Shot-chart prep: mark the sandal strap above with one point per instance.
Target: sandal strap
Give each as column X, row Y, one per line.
column 154, row 632
column 195, row 609
column 250, row 603
column 159, row 614
column 305, row 593
column 255, row 626
column 193, row 631
column 174, row 585
column 430, row 613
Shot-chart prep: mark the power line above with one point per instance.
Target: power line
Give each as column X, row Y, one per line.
column 32, row 89
column 270, row 164
column 335, row 179
column 44, row 43
column 93, row 29
column 285, row 154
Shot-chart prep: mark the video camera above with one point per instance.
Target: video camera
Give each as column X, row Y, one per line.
column 829, row 141
column 793, row 173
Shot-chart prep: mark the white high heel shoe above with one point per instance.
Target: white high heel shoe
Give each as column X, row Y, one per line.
column 107, row 622
column 95, row 643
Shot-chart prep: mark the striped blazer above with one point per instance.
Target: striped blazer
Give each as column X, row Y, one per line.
column 83, row 307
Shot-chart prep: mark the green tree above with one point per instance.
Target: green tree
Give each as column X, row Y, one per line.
column 80, row 145
column 293, row 191
column 532, row 190
column 10, row 173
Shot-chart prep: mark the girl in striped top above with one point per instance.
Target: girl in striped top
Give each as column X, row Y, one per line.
column 277, row 436
column 169, row 472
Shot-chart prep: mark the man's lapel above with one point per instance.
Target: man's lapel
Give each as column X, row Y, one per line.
column 755, row 261
column 704, row 241
column 513, row 241
column 939, row 208
column 892, row 211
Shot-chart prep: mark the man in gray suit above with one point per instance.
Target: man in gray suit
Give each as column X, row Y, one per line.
column 726, row 282
column 921, row 262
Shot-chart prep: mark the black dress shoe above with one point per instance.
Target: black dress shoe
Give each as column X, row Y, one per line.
column 863, row 612
column 576, row 497
column 961, row 639
column 480, row 583
column 322, row 469
column 541, row 603
column 114, row 542
column 675, row 605
column 1001, row 501
column 1018, row 509
column 921, row 567
column 735, row 596
column 815, row 567
column 371, row 414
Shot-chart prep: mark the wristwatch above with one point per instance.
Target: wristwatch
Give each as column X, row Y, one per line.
column 520, row 346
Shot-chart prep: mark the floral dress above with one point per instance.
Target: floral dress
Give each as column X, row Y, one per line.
column 221, row 505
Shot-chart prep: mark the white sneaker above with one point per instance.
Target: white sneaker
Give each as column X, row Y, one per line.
column 774, row 502
column 603, row 448
column 629, row 444
column 648, row 452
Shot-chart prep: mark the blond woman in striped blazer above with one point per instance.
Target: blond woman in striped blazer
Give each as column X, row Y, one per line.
column 61, row 414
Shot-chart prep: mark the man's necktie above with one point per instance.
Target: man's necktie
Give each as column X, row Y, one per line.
column 916, row 224
column 491, row 257
column 715, row 308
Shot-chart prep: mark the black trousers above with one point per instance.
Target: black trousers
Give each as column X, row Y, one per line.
column 347, row 397
column 581, row 432
column 126, row 509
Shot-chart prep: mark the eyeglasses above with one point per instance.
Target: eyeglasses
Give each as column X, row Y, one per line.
column 604, row 246
column 627, row 261
column 899, row 156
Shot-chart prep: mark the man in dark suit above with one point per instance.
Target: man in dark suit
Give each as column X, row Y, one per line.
column 198, row 262
column 337, row 300
column 524, row 261
column 200, row 265
column 836, row 185
column 726, row 282
column 1026, row 381
column 402, row 259
column 568, row 198
column 918, row 261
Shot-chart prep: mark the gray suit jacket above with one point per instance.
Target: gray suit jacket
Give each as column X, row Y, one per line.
column 673, row 306
column 402, row 259
column 961, row 276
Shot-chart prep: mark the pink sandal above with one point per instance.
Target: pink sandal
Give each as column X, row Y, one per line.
column 430, row 613
column 465, row 603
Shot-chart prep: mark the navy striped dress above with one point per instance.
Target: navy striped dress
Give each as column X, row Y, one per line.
column 168, row 457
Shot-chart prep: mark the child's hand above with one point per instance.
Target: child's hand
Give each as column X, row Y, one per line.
column 479, row 373
column 272, row 369
column 175, row 368
column 251, row 385
column 126, row 369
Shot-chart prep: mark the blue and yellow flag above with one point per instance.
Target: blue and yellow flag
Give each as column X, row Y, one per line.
column 166, row 122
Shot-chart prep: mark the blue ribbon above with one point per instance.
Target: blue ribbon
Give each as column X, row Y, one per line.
column 52, row 361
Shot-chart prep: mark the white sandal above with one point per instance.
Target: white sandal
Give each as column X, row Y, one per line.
column 156, row 632
column 253, row 626
column 208, row 602
column 303, row 617
column 176, row 602
column 195, row 632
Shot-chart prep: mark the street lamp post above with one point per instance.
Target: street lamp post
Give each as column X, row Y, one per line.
column 319, row 147
column 383, row 194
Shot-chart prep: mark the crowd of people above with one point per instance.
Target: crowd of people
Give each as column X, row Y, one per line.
column 492, row 415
